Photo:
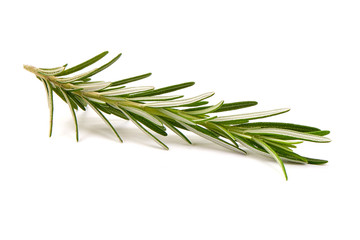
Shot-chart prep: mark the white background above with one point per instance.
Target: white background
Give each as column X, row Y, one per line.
column 304, row 55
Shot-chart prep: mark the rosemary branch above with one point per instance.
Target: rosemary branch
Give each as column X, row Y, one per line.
column 153, row 112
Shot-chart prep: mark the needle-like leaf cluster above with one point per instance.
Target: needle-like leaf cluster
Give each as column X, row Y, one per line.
column 152, row 111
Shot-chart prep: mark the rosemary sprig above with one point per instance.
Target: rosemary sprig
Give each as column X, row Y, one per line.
column 153, row 112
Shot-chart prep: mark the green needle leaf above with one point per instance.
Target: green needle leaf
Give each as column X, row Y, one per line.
column 125, row 91
column 74, row 79
column 289, row 143
column 53, row 69
column 83, row 65
column 129, row 80
column 154, row 127
column 273, row 154
column 289, row 156
column 205, row 110
column 163, row 145
column 251, row 116
column 320, row 133
column 223, row 132
column 290, row 126
column 143, row 114
column 51, row 72
column 175, row 130
column 93, row 86
column 288, row 133
column 49, row 93
column 174, row 116
column 196, row 104
column 316, row 161
column 97, row 70
column 180, row 102
column 116, row 111
column 211, row 137
column 235, row 105
column 72, row 113
column 77, row 100
column 106, row 120
column 155, row 98
column 164, row 90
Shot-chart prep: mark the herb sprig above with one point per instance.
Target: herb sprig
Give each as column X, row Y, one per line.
column 153, row 112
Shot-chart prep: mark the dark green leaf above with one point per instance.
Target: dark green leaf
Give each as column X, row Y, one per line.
column 60, row 93
column 73, row 114
column 273, row 154
column 144, row 129
column 320, row 133
column 316, row 161
column 156, row 128
column 77, row 100
column 196, row 104
column 164, row 90
column 250, row 116
column 173, row 122
column 179, row 102
column 205, row 110
column 81, row 81
column 97, row 70
column 144, row 114
column 278, row 132
column 128, row 80
column 205, row 133
column 175, row 130
column 175, row 115
column 106, row 121
column 222, row 132
column 116, row 112
column 234, row 122
column 83, row 65
column 286, row 153
column 290, row 126
column 49, row 93
column 248, row 142
column 235, row 106
column 100, row 106
column 226, row 106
